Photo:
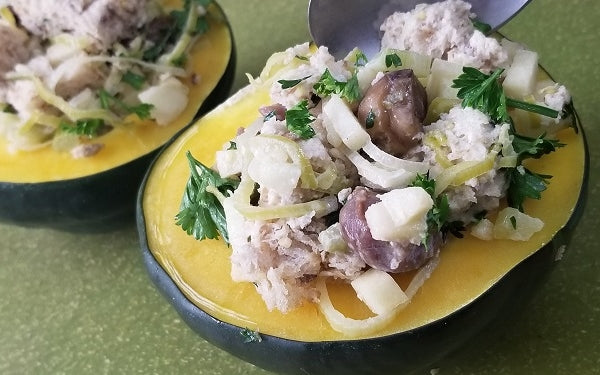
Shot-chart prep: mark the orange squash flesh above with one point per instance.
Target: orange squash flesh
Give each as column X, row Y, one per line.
column 467, row 269
column 208, row 60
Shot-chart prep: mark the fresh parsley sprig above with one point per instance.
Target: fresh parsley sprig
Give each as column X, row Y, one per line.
column 528, row 147
column 327, row 85
column 298, row 120
column 524, row 184
column 200, row 213
column 484, row 92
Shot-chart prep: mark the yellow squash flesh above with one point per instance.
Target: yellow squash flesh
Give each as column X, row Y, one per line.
column 468, row 267
column 208, row 59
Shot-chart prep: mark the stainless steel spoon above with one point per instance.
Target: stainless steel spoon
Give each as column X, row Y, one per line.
column 342, row 25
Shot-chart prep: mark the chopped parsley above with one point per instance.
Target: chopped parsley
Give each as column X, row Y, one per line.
column 327, row 85
column 392, row 60
column 232, row 146
column 524, row 184
column 289, row 83
column 180, row 60
column 360, row 58
column 513, row 222
column 134, row 80
column 200, row 213
column 438, row 216
column 89, row 128
column 108, row 101
column 303, row 58
column 8, row 108
column 269, row 115
column 481, row 26
column 370, row 120
column 298, row 120
column 250, row 335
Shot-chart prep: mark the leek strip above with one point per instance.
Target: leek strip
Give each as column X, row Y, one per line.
column 215, row 191
column 363, row 327
column 508, row 161
column 71, row 112
column 39, row 118
column 244, row 190
column 184, row 40
column 381, row 177
column 7, row 15
column 462, row 172
column 307, row 174
column 320, row 207
column 345, row 124
column 159, row 68
column 391, row 161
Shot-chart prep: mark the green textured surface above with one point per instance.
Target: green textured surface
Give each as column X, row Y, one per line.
column 73, row 304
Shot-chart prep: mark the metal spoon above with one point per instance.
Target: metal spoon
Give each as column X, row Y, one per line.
column 342, row 25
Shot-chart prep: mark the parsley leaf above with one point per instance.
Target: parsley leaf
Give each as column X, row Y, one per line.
column 392, row 60
column 327, row 85
column 370, row 120
column 107, row 101
column 523, row 184
column 134, row 80
column 201, row 214
column 527, row 147
column 250, row 335
column 289, row 83
column 438, row 215
column 351, row 90
column 8, row 108
column 485, row 93
column 298, row 120
column 481, row 26
column 361, row 58
column 482, row 92
column 84, row 127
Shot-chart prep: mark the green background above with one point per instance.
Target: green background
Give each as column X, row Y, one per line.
column 83, row 304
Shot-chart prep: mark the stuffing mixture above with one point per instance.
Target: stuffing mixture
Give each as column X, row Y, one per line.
column 363, row 165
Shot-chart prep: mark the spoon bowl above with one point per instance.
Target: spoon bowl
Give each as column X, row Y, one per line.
column 342, row 25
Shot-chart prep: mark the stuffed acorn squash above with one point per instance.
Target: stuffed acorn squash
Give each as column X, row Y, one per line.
column 345, row 245
column 84, row 113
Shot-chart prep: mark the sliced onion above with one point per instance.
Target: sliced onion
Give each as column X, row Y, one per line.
column 391, row 161
column 320, row 207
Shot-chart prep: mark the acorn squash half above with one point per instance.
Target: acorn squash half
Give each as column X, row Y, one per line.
column 52, row 189
column 476, row 282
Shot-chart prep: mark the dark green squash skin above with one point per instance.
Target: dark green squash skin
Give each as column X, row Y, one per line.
column 99, row 202
column 402, row 353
